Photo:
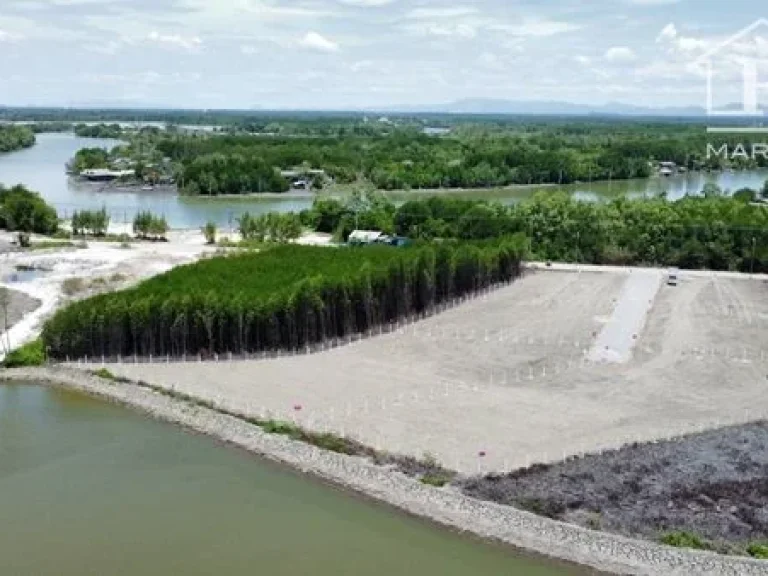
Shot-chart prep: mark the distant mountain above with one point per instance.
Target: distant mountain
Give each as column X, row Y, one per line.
column 549, row 108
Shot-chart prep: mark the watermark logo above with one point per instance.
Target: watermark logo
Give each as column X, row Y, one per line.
column 736, row 71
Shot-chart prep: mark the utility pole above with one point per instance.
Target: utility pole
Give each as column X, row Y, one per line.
column 752, row 265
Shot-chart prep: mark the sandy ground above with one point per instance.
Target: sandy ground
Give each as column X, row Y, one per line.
column 99, row 260
column 503, row 381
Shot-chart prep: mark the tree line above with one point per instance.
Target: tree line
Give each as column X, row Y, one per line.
column 714, row 231
column 471, row 156
column 15, row 137
column 114, row 131
column 285, row 298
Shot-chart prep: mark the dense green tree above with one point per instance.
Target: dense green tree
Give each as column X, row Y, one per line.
column 25, row 211
column 286, row 297
column 14, row 137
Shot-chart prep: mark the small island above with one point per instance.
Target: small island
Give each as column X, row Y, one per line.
column 15, row 137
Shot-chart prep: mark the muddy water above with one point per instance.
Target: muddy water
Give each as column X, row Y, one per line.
column 91, row 488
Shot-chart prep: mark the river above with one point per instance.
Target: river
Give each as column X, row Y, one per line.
column 41, row 168
column 88, row 487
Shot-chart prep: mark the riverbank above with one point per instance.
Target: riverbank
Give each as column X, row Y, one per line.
column 443, row 506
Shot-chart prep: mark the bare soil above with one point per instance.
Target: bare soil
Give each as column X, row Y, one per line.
column 503, row 381
column 713, row 484
column 19, row 305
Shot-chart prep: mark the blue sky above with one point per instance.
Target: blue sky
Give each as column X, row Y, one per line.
column 320, row 54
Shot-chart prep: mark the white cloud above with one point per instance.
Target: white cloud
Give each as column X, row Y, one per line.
column 8, row 36
column 438, row 13
column 366, row 3
column 620, row 55
column 188, row 43
column 441, row 29
column 669, row 32
column 534, row 27
column 315, row 41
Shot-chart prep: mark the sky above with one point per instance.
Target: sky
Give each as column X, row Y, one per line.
column 353, row 54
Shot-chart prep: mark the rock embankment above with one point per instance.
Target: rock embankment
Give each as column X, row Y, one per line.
column 444, row 506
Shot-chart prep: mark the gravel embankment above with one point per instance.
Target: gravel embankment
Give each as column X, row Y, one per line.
column 444, row 506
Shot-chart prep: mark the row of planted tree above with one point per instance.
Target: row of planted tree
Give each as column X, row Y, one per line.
column 286, row 298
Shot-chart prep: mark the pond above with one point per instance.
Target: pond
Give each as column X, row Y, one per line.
column 87, row 487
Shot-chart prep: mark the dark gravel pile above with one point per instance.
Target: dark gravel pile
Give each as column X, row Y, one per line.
column 713, row 484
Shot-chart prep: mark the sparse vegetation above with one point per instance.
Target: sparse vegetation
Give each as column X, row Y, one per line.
column 104, row 373
column 683, row 539
column 73, row 286
column 148, row 226
column 52, row 245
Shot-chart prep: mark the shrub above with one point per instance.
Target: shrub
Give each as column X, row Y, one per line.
column 682, row 539
column 31, row 354
column 437, row 480
column 209, row 231
column 758, row 550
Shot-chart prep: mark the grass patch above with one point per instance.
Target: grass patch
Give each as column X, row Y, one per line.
column 52, row 245
column 104, row 373
column 436, row 479
column 682, row 539
column 31, row 354
column 72, row 286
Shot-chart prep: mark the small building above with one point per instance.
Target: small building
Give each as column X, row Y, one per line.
column 365, row 237
column 105, row 175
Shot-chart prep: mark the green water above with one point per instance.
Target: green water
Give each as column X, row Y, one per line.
column 88, row 488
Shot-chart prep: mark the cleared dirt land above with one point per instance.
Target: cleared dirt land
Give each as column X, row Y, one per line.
column 503, row 381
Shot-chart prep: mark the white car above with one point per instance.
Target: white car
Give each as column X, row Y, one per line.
column 673, row 276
